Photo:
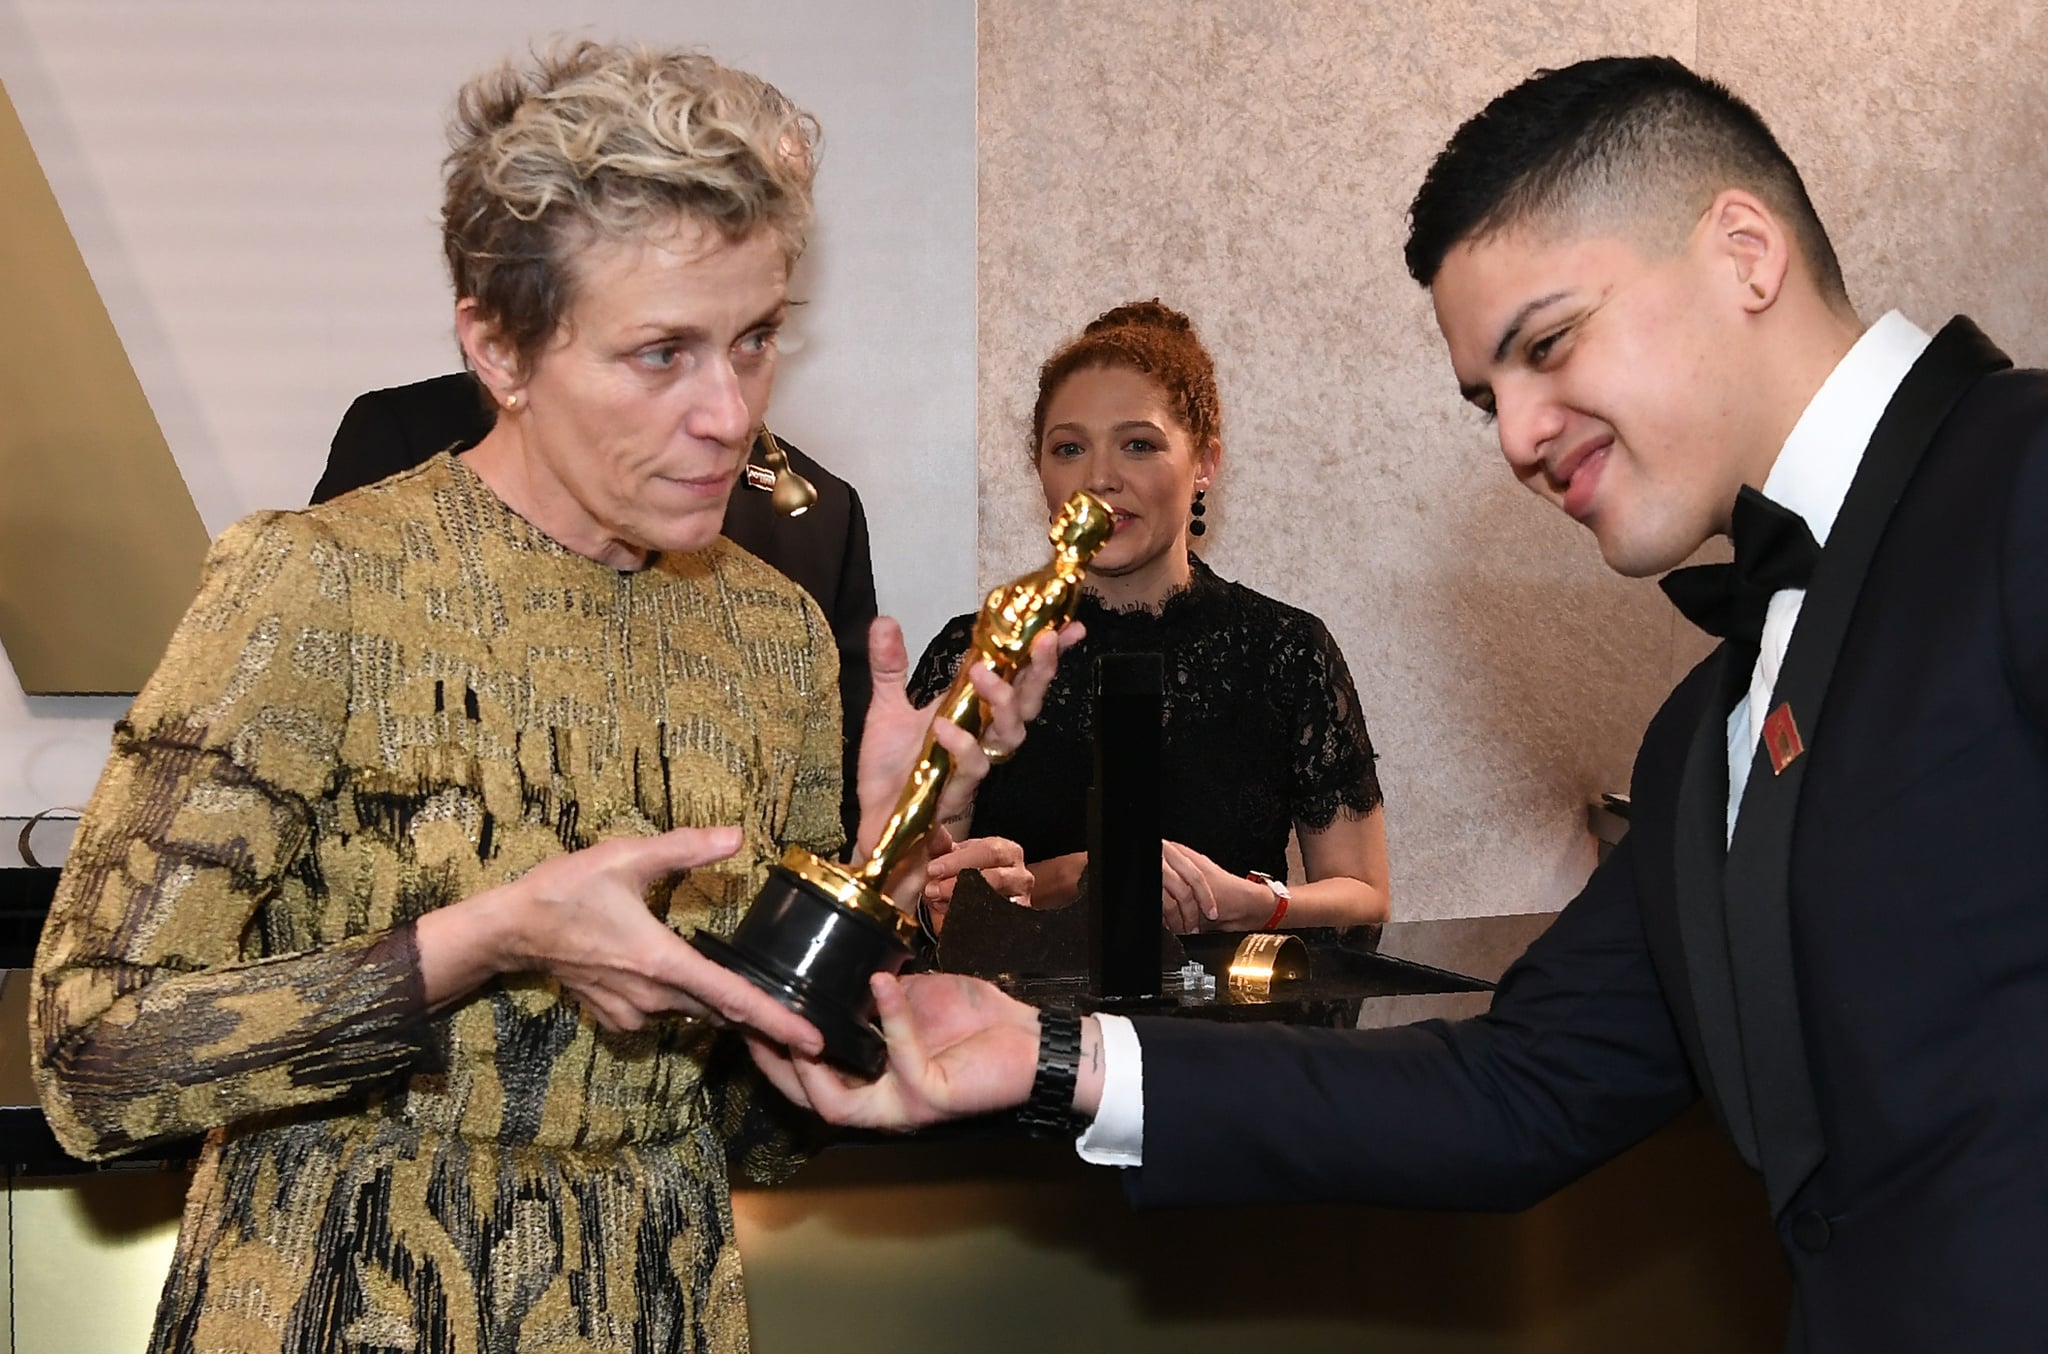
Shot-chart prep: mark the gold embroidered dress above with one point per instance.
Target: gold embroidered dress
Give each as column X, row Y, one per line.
column 375, row 708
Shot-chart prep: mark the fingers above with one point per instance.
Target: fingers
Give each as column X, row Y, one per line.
column 1180, row 917
column 1000, row 861
column 1012, row 881
column 823, row 1090
column 1002, row 728
column 628, row 966
column 699, row 986
column 1031, row 683
column 1188, row 864
column 888, row 658
column 975, row 853
column 1002, row 852
column 609, row 1011
column 1205, row 897
column 892, row 1005
column 1180, row 909
column 828, row 1092
column 908, row 1061
column 970, row 767
column 619, row 1000
column 938, row 887
column 588, row 924
column 747, row 1006
column 1013, row 704
column 1014, row 884
column 780, row 1070
column 681, row 848
column 838, row 1099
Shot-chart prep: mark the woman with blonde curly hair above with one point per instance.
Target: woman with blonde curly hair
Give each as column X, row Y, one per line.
column 381, row 890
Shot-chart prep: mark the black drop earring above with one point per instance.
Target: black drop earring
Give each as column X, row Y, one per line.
column 1198, row 527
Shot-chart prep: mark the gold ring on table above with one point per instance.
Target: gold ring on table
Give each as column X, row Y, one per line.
column 997, row 755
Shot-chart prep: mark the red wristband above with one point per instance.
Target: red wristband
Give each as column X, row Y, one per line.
column 1280, row 897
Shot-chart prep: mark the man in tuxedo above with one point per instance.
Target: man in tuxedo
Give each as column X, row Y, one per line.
column 825, row 550
column 1830, row 915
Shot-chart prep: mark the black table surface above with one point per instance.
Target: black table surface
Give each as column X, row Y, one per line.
column 1044, row 957
column 1437, row 967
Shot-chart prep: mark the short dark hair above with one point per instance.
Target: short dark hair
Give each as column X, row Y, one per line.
column 1644, row 134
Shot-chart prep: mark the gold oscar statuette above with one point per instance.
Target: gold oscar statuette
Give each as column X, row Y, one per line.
column 818, row 929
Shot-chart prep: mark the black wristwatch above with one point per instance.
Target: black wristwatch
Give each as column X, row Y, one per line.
column 1050, row 1110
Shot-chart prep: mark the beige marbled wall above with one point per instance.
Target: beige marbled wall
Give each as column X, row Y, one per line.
column 1251, row 162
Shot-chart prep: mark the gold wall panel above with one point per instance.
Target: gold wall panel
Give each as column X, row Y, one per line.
column 100, row 544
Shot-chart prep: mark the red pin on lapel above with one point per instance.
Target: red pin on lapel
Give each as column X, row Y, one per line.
column 1781, row 736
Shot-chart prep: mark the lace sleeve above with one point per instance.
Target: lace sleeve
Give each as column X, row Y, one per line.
column 941, row 660
column 1332, row 757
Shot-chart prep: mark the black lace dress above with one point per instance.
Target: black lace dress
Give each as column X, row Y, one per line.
column 1263, row 728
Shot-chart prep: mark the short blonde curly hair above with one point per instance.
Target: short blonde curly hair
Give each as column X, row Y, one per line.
column 593, row 141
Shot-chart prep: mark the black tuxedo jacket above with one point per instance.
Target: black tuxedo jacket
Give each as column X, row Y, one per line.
column 1858, row 982
column 825, row 550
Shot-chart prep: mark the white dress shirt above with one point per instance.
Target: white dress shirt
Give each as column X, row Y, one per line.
column 1811, row 477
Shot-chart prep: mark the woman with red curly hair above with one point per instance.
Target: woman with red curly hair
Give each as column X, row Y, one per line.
column 1264, row 734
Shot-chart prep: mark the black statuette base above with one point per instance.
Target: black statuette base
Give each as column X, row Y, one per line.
column 814, row 954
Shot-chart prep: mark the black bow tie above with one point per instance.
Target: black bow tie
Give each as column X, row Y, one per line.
column 1773, row 550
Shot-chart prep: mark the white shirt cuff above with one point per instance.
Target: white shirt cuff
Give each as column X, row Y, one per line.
column 1117, row 1137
